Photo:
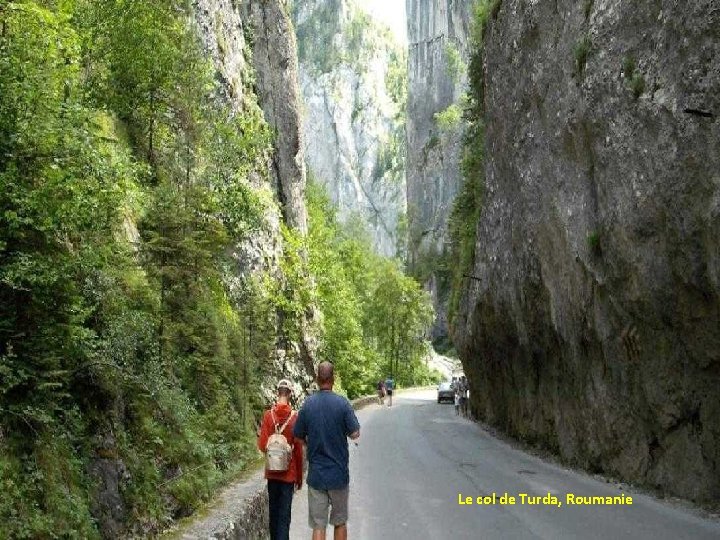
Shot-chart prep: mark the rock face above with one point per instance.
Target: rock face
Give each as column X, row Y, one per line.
column 275, row 61
column 274, row 53
column 592, row 322
column 438, row 33
column 353, row 87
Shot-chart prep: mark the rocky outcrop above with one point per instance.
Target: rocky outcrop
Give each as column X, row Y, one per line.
column 438, row 32
column 275, row 62
column 253, row 48
column 110, row 473
column 591, row 320
column 353, row 86
column 274, row 53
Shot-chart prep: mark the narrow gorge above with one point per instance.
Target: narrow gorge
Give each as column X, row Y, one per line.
column 199, row 198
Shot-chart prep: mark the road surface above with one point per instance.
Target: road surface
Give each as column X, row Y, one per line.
column 416, row 459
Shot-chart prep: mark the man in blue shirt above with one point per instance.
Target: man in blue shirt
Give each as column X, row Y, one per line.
column 325, row 422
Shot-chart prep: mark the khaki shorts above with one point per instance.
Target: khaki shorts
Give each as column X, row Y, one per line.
column 320, row 500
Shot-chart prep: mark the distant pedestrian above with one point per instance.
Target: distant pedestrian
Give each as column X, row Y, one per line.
column 325, row 422
column 464, row 394
column 457, row 401
column 284, row 466
column 381, row 392
column 389, row 387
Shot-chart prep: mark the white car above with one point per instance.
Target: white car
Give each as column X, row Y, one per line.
column 446, row 392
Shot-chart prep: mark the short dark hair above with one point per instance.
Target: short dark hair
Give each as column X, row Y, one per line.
column 325, row 372
column 285, row 392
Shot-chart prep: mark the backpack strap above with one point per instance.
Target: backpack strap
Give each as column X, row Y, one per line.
column 280, row 430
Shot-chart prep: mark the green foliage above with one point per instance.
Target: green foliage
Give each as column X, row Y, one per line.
column 467, row 207
column 593, row 242
column 635, row 79
column 396, row 79
column 108, row 122
column 390, row 164
column 637, row 85
column 581, row 51
column 315, row 36
column 455, row 65
column 629, row 66
column 449, row 118
column 483, row 11
column 587, row 8
column 327, row 38
column 374, row 316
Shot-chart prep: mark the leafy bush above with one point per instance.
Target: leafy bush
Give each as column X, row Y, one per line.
column 449, row 118
column 374, row 316
column 581, row 52
column 455, row 65
column 635, row 79
column 123, row 183
column 593, row 242
column 628, row 66
column 637, row 85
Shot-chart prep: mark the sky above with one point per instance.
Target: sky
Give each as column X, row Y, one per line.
column 390, row 12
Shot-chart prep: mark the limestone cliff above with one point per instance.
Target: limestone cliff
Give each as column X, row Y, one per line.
column 275, row 62
column 590, row 320
column 253, row 48
column 352, row 80
column 438, row 34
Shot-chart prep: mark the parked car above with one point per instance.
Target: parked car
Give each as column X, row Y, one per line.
column 445, row 392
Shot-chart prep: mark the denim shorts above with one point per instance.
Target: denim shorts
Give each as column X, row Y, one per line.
column 320, row 500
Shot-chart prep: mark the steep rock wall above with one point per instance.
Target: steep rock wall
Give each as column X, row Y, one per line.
column 438, row 33
column 591, row 322
column 352, row 83
column 275, row 61
column 253, row 48
column 274, row 53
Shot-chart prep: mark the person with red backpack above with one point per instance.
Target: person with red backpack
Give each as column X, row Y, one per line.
column 283, row 460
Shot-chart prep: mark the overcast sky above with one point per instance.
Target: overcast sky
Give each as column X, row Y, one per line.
column 391, row 12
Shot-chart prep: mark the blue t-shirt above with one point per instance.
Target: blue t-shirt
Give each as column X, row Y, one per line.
column 325, row 421
column 390, row 384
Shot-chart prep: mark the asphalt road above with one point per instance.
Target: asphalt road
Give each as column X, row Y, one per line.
column 415, row 459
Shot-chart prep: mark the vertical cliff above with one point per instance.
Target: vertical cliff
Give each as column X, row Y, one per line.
column 275, row 62
column 352, row 80
column 274, row 53
column 590, row 320
column 438, row 32
column 254, row 51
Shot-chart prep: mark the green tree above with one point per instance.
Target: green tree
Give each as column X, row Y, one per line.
column 122, row 185
column 374, row 316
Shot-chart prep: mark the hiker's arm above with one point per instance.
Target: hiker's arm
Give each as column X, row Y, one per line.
column 298, row 461
column 300, row 429
column 264, row 433
column 352, row 426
